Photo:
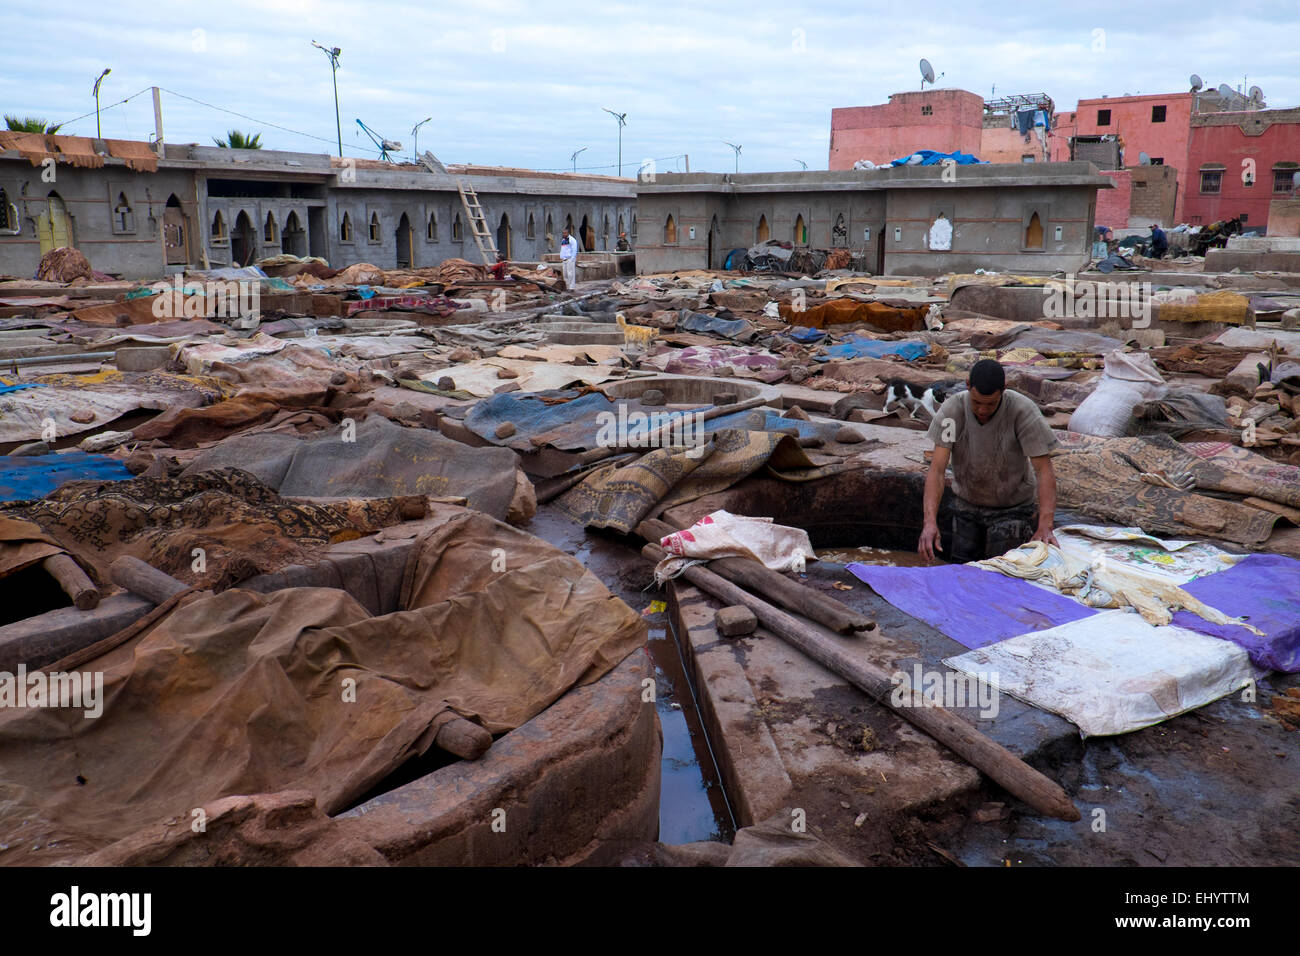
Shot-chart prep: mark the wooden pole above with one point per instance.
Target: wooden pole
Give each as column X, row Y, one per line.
column 821, row 644
column 144, row 580
column 73, row 580
column 774, row 586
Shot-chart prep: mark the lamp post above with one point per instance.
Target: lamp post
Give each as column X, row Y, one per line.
column 574, row 158
column 333, row 54
column 98, row 80
column 622, row 121
column 801, row 162
column 415, row 131
column 737, row 151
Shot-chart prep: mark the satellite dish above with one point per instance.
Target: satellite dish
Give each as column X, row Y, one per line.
column 1256, row 94
column 1144, row 159
column 927, row 73
column 1225, row 91
column 1196, row 82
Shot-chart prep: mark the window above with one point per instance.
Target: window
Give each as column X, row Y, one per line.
column 1034, row 233
column 8, row 214
column 457, row 230
column 1157, row 160
column 1157, row 114
column 219, row 235
column 927, row 110
column 431, row 228
column 1283, row 177
column 1211, row 180
column 1103, row 117
column 670, row 231
column 634, row 228
column 1027, row 158
column 271, row 233
column 123, row 215
column 345, row 228
column 376, row 230
column 530, row 231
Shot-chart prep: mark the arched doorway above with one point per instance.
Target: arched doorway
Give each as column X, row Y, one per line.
column 404, row 242
column 175, row 233
column 800, row 231
column 54, row 228
column 1034, row 233
column 503, row 235
column 243, row 241
column 295, row 236
column 764, row 232
column 587, row 236
column 715, row 240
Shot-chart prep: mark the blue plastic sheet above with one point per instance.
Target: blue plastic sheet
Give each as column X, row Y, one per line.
column 857, row 346
column 931, row 158
column 772, row 422
column 34, row 476
column 973, row 606
column 1265, row 590
column 805, row 335
column 5, row 389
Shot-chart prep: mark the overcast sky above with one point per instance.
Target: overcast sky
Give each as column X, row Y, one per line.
column 521, row 84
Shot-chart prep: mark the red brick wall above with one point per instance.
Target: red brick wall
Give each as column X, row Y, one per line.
column 899, row 127
column 1268, row 137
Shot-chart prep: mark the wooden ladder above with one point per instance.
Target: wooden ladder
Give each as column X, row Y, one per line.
column 487, row 246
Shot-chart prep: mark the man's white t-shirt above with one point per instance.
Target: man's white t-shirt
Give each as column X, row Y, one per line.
column 568, row 249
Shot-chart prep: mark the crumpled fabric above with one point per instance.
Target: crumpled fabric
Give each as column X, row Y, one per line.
column 724, row 535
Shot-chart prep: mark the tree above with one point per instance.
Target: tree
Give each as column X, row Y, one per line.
column 30, row 124
column 237, row 140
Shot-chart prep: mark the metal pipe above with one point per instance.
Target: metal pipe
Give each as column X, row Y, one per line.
column 57, row 359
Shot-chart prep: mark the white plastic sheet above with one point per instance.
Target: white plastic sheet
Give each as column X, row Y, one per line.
column 724, row 535
column 1111, row 673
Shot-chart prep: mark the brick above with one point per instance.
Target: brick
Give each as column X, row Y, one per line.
column 735, row 620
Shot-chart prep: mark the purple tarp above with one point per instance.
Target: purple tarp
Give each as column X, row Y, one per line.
column 973, row 606
column 1265, row 590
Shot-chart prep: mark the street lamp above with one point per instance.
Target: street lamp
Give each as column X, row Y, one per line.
column 415, row 131
column 574, row 157
column 100, row 79
column 801, row 162
column 737, row 151
column 622, row 121
column 333, row 54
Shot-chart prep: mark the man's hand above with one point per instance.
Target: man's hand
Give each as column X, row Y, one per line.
column 929, row 542
column 1044, row 534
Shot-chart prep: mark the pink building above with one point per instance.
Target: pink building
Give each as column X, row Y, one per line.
column 1239, row 163
column 942, row 120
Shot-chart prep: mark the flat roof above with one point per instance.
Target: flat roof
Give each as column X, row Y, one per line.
column 981, row 176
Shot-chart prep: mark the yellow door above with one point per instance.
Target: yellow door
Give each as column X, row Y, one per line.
column 52, row 227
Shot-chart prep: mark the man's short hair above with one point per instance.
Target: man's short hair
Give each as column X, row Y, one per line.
column 987, row 377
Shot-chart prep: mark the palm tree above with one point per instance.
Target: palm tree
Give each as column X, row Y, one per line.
column 237, row 140
column 30, row 124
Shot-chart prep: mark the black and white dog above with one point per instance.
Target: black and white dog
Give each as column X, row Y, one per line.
column 913, row 396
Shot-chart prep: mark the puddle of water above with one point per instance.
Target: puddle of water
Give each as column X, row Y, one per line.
column 901, row 559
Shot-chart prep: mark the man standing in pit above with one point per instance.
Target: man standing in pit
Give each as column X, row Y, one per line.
column 569, row 259
column 1004, row 488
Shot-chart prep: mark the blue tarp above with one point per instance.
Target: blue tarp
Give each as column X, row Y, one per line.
column 5, row 389
column 531, row 416
column 34, row 476
column 1265, row 590
column 973, row 606
column 929, row 157
column 857, row 346
column 772, row 422
column 805, row 334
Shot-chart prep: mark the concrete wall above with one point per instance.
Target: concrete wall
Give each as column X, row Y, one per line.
column 90, row 196
column 1002, row 142
column 1154, row 195
column 989, row 207
column 955, row 121
column 313, row 190
column 1261, row 138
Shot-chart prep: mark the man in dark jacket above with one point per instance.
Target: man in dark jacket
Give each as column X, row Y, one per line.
column 1158, row 242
